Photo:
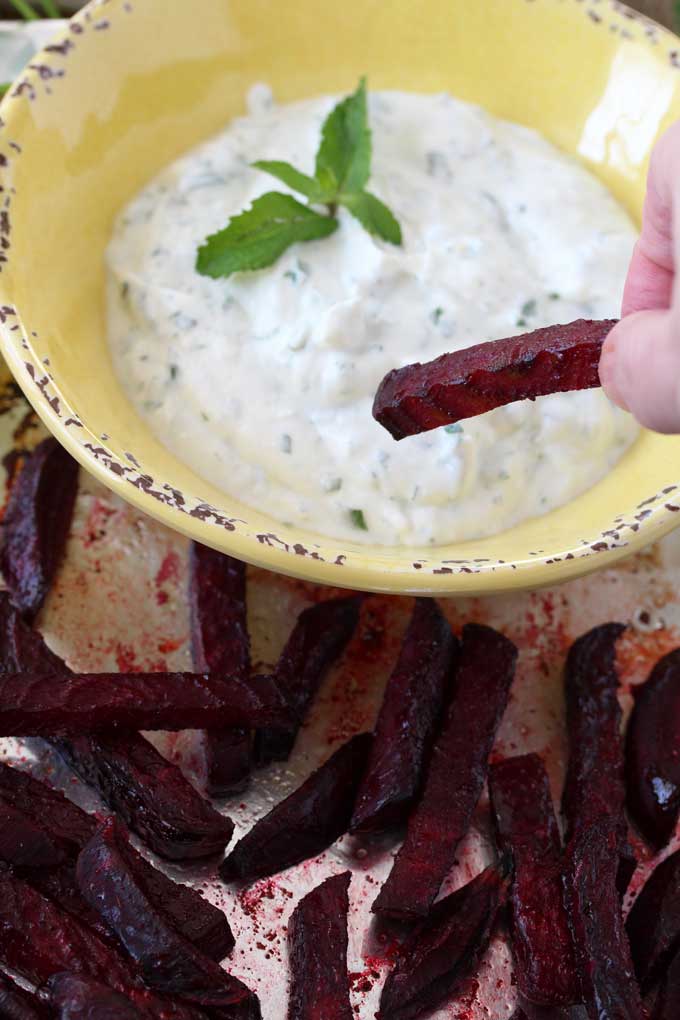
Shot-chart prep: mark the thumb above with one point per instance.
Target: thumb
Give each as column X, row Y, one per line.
column 640, row 368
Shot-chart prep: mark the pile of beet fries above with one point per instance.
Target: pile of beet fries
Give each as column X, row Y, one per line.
column 99, row 932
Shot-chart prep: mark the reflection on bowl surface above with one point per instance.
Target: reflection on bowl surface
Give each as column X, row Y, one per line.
column 129, row 89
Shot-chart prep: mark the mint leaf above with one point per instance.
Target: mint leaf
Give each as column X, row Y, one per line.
column 343, row 162
column 358, row 520
column 257, row 237
column 373, row 215
column 295, row 179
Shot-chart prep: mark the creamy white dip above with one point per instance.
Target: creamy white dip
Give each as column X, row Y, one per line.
column 264, row 382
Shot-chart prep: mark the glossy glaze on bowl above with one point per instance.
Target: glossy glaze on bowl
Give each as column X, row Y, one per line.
column 133, row 83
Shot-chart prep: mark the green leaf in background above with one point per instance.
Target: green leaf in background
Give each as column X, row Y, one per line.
column 295, row 179
column 343, row 162
column 26, row 10
column 259, row 236
column 373, row 215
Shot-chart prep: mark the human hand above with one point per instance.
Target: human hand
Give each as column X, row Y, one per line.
column 640, row 364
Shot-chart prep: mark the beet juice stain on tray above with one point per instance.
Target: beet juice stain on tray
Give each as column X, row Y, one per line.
column 89, row 620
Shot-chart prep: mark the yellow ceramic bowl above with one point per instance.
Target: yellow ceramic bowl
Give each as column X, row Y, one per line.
column 133, row 83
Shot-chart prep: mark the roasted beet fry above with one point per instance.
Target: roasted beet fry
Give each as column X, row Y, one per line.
column 317, row 942
column 594, row 788
column 26, row 844
column 220, row 645
column 151, row 794
column 444, row 949
column 74, row 997
column 663, row 1002
column 38, row 939
column 61, row 817
column 167, row 961
column 603, row 959
column 192, row 915
column 403, row 735
column 527, row 830
column 78, row 997
column 36, row 524
column 653, row 924
column 455, row 775
column 596, row 830
column 306, row 822
column 652, row 760
column 319, row 637
column 63, row 704
column 18, row 1004
column 420, row 397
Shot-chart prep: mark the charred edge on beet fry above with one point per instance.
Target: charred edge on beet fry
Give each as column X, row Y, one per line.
column 168, row 962
column 317, row 942
column 18, row 1004
column 455, row 775
column 63, row 704
column 445, row 948
column 595, row 787
column 317, row 640
column 527, row 829
column 306, row 822
column 653, row 924
column 220, row 645
column 410, row 711
column 652, row 762
column 461, row 385
column 36, row 525
column 602, row 952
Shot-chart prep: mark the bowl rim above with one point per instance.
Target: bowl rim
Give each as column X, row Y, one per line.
column 654, row 518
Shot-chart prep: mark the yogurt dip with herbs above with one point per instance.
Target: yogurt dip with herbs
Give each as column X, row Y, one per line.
column 263, row 382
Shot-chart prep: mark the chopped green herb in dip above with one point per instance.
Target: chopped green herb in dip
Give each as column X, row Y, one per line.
column 263, row 381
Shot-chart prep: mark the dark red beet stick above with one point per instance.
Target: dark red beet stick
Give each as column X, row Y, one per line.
column 602, row 952
column 445, row 949
column 36, row 525
column 317, row 941
column 169, row 963
column 150, row 793
column 594, row 787
column 318, row 639
column 410, row 711
column 135, row 780
column 653, row 924
column 38, row 939
column 652, row 760
column 24, row 843
column 66, row 704
column 64, row 820
column 306, row 822
column 74, row 997
column 220, row 645
column 455, row 776
column 556, row 359
column 527, row 829
column 191, row 913
column 18, row 1004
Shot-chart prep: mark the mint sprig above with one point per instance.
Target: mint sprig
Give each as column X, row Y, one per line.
column 257, row 237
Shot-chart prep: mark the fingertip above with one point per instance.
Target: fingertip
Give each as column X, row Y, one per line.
column 640, row 369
